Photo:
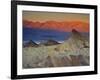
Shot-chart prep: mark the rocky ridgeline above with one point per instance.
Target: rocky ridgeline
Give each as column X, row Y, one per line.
column 72, row 52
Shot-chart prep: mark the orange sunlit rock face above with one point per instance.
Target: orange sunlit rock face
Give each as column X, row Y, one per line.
column 66, row 26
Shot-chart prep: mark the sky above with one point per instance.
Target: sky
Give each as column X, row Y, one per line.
column 55, row 16
column 56, row 20
column 39, row 26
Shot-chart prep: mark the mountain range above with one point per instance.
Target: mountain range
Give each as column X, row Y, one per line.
column 61, row 26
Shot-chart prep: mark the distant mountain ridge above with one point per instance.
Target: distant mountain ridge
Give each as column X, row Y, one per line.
column 62, row 26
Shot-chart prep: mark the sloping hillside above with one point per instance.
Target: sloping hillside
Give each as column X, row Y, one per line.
column 72, row 52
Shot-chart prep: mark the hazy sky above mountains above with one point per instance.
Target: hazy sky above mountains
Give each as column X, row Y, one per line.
column 52, row 25
column 54, row 16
